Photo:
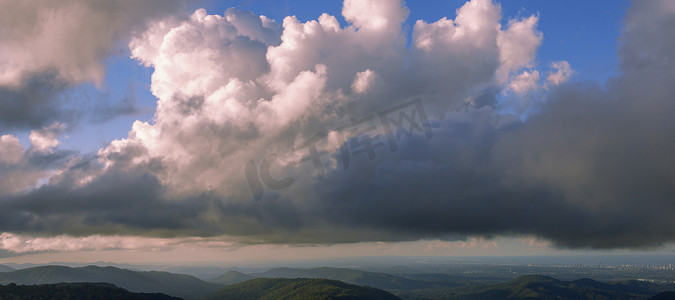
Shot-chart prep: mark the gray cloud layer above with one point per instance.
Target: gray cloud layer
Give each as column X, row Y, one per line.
column 34, row 105
column 594, row 168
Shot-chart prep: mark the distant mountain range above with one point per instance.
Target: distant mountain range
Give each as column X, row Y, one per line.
column 544, row 287
column 442, row 286
column 326, row 283
column 299, row 289
column 183, row 286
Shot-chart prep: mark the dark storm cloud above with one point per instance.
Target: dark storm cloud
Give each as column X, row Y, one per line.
column 583, row 173
column 35, row 104
column 135, row 202
column 48, row 160
column 595, row 168
column 112, row 203
column 44, row 99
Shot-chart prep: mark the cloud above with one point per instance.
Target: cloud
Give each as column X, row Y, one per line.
column 47, row 48
column 451, row 58
column 43, row 99
column 23, row 169
column 35, row 103
column 560, row 73
column 362, row 81
column 242, row 101
column 518, row 46
column 375, row 16
column 40, row 37
column 18, row 244
column 11, row 150
column 524, row 82
column 45, row 139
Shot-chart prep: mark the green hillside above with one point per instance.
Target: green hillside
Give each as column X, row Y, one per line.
column 100, row 291
column 282, row 288
column 378, row 280
column 183, row 286
column 540, row 287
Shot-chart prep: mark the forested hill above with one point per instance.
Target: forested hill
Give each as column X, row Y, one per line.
column 299, row 288
column 178, row 285
column 99, row 291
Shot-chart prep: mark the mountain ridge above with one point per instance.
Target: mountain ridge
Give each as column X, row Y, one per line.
column 375, row 279
column 543, row 287
column 299, row 288
column 179, row 285
column 79, row 290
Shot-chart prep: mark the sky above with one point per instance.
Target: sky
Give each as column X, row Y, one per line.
column 234, row 131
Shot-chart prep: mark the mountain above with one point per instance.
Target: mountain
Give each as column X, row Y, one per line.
column 101, row 291
column 183, row 286
column 290, row 289
column 544, row 287
column 232, row 277
column 378, row 280
column 4, row 268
